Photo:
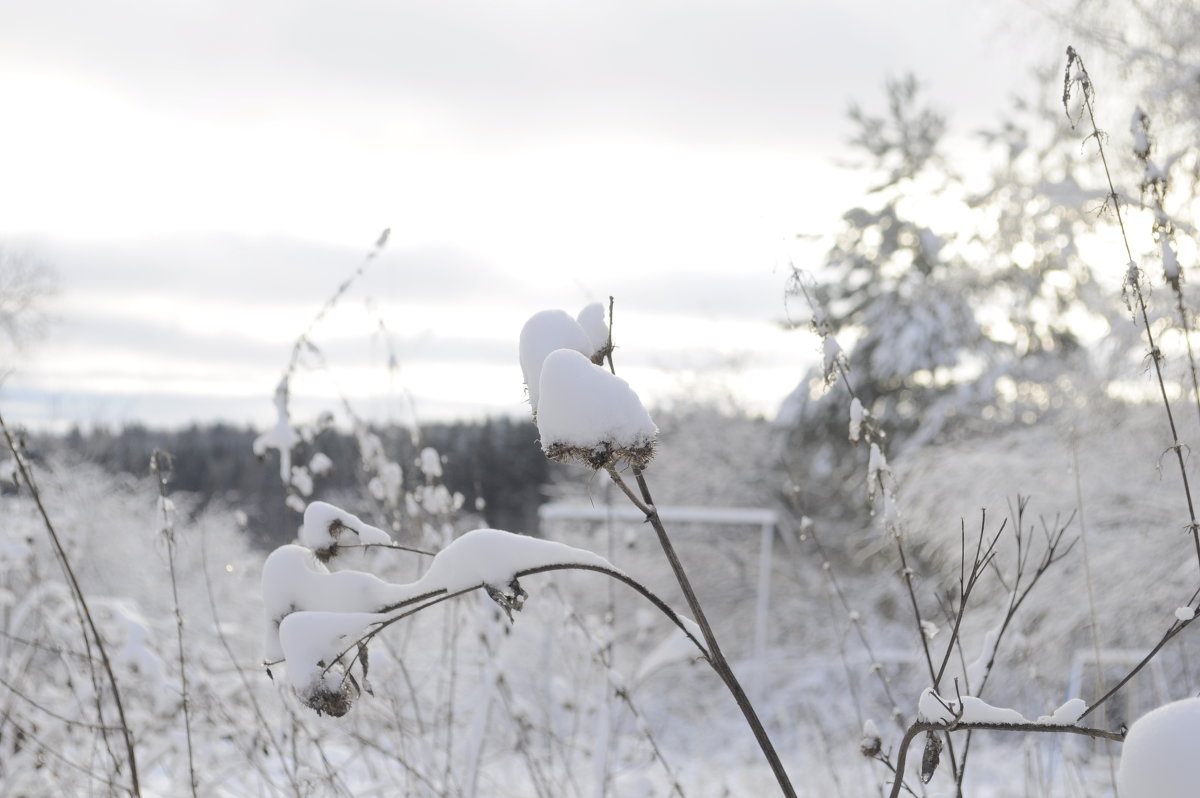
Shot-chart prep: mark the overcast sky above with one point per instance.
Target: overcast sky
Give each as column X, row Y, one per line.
column 203, row 175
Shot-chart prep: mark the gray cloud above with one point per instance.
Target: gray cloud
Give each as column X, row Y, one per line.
column 760, row 71
column 271, row 270
column 745, row 293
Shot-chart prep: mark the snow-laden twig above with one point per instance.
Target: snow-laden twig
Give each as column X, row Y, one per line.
column 315, row 618
column 1133, row 279
column 1155, row 184
column 924, row 727
column 881, row 481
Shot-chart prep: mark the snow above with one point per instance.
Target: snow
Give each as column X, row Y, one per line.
column 302, row 480
column 293, row 580
column 386, row 485
column 543, row 333
column 856, row 419
column 320, row 464
column 976, row 710
column 877, row 463
column 933, row 708
column 591, row 319
column 313, row 640
column 1158, row 759
column 1185, row 614
column 585, row 407
column 431, row 462
column 325, row 524
column 281, row 436
column 492, row 557
column 1066, row 715
column 832, row 356
column 1170, row 262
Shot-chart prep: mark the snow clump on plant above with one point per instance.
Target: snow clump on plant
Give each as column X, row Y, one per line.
column 583, row 412
column 590, row 415
column 325, row 528
column 545, row 332
column 319, row 622
column 1158, row 759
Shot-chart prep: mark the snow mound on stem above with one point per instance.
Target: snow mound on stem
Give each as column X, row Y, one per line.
column 312, row 643
column 324, row 527
column 293, row 580
column 591, row 319
column 545, row 332
column 295, row 583
column 590, row 415
column 492, row 558
column 1158, row 759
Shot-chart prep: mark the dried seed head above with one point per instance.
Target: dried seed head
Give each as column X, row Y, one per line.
column 327, row 700
column 603, row 455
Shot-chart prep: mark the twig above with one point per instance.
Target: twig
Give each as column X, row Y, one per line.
column 922, row 727
column 161, row 466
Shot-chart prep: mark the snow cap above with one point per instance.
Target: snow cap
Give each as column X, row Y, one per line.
column 325, row 526
column 1158, row 758
column 546, row 331
column 591, row 319
column 590, row 415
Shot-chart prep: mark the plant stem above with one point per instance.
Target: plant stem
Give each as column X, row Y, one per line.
column 161, row 465
column 715, row 656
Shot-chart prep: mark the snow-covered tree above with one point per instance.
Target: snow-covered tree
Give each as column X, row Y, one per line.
column 961, row 307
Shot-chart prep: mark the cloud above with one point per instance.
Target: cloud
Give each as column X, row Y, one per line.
column 270, row 270
column 740, row 293
column 754, row 71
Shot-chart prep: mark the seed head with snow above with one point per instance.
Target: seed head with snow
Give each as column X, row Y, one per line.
column 583, row 412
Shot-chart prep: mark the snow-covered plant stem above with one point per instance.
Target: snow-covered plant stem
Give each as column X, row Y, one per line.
column 1155, row 183
column 161, row 467
column 1133, row 275
column 924, row 727
column 880, row 480
column 1133, row 282
column 716, row 658
column 91, row 635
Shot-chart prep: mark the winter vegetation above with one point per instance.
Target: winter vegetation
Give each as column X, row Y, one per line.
column 963, row 560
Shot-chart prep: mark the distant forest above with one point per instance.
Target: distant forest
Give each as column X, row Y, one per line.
column 493, row 460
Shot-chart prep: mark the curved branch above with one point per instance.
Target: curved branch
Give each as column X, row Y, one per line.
column 427, row 600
